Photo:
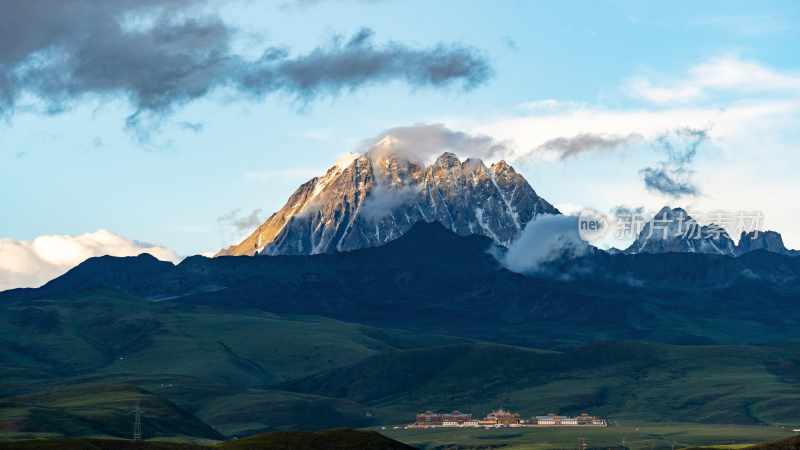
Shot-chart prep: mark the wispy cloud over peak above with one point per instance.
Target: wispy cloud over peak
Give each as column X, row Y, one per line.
column 424, row 142
column 568, row 147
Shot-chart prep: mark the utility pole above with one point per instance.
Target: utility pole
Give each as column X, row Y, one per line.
column 137, row 422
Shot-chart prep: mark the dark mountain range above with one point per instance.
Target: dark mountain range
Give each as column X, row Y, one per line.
column 432, row 279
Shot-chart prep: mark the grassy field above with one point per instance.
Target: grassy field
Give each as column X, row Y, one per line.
column 76, row 367
column 338, row 439
column 631, row 382
column 95, row 410
column 644, row 436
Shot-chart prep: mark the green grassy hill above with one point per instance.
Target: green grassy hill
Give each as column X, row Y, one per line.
column 626, row 381
column 342, row 439
column 324, row 440
column 106, row 332
column 97, row 409
column 220, row 365
column 71, row 366
column 96, row 444
column 792, row 443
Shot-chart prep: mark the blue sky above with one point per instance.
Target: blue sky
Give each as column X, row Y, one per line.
column 559, row 69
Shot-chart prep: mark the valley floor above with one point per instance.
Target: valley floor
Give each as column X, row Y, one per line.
column 635, row 436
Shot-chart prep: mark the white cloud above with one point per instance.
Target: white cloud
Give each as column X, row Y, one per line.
column 753, row 147
column 545, row 105
column 33, row 263
column 383, row 200
column 544, row 239
column 750, row 112
column 530, row 133
column 426, row 141
column 724, row 74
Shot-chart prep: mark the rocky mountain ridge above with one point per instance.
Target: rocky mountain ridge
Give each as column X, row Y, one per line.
column 376, row 197
column 771, row 241
column 673, row 230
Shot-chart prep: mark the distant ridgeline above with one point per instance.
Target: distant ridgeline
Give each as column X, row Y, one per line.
column 431, row 279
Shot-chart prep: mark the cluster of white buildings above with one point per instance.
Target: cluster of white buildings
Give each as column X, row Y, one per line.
column 502, row 418
column 584, row 419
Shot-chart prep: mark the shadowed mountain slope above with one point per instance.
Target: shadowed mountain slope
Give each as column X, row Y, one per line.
column 433, row 280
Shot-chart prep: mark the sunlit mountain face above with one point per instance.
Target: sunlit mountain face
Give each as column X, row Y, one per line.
column 379, row 196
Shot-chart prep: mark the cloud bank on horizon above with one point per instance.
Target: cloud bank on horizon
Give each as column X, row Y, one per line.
column 33, row 263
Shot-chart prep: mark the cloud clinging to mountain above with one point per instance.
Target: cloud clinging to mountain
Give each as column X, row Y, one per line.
column 544, row 239
column 162, row 54
column 423, row 142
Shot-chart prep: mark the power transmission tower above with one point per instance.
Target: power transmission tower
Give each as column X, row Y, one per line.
column 137, row 422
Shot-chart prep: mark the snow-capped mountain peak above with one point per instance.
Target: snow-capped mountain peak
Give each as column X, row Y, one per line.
column 675, row 231
column 381, row 194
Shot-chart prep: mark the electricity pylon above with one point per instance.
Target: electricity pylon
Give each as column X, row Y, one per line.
column 137, row 422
